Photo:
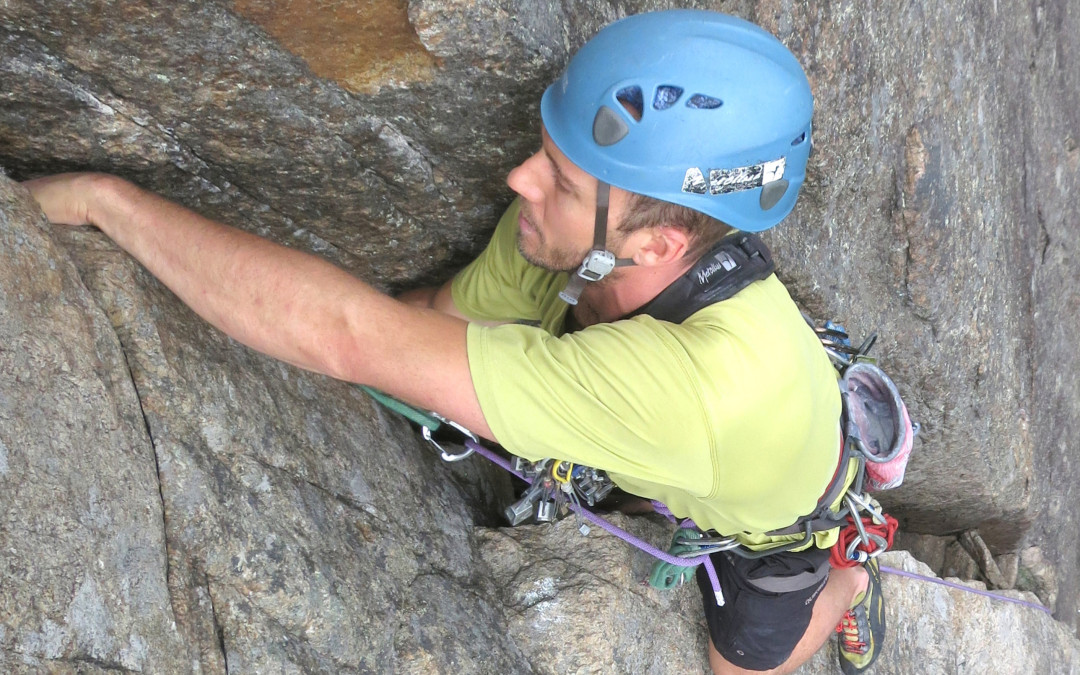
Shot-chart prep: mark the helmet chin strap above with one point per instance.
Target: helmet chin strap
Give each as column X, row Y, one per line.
column 600, row 261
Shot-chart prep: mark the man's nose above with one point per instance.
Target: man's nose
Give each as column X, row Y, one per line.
column 526, row 180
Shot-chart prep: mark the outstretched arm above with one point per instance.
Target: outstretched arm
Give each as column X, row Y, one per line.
column 291, row 305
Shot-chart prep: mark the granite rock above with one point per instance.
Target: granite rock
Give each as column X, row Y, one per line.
column 177, row 503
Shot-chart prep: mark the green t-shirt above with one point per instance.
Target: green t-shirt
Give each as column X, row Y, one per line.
column 730, row 418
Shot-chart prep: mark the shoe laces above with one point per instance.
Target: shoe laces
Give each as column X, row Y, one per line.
column 848, row 630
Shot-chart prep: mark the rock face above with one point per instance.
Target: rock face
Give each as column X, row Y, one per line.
column 84, row 563
column 932, row 629
column 175, row 503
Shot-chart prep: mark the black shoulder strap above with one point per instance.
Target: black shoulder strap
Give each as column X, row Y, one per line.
column 736, row 261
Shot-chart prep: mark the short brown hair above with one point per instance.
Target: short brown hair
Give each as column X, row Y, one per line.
column 704, row 230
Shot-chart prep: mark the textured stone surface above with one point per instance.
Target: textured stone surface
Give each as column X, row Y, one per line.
column 282, row 512
column 560, row 601
column 939, row 209
column 916, row 224
column 589, row 610
column 934, row 629
column 988, row 566
column 363, row 46
column 1037, row 575
column 283, row 532
column 83, row 564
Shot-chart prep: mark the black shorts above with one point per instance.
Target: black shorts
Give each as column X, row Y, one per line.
column 767, row 604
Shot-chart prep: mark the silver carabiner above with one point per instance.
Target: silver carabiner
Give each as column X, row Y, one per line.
column 705, row 551
column 707, row 541
column 868, row 504
column 446, row 456
column 880, row 545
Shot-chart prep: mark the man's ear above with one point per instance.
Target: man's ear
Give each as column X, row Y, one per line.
column 659, row 245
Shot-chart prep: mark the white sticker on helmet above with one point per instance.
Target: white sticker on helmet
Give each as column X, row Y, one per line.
column 725, row 181
column 694, row 181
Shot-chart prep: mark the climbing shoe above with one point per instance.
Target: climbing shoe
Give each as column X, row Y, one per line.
column 861, row 631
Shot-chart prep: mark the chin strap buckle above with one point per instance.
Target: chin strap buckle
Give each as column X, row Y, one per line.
column 596, row 266
column 599, row 262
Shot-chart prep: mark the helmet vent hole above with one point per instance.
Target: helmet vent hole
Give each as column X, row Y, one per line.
column 633, row 100
column 666, row 96
column 703, row 102
column 799, row 140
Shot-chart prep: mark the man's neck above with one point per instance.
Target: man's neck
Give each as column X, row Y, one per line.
column 627, row 289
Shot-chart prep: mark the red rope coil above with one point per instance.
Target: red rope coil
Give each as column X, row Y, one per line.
column 838, row 555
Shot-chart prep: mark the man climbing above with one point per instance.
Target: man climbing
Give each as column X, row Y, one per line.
column 666, row 131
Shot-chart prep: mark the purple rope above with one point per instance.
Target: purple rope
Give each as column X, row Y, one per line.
column 704, row 559
column 951, row 584
column 662, row 509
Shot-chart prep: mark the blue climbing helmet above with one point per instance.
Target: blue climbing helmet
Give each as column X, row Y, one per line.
column 725, row 114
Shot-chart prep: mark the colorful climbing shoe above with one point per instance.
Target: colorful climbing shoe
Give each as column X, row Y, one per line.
column 861, row 631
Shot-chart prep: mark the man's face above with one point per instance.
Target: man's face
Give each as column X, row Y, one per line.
column 558, row 209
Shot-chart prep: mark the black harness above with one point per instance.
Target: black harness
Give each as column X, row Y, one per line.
column 735, row 262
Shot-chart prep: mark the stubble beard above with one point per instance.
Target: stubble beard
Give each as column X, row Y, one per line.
column 544, row 257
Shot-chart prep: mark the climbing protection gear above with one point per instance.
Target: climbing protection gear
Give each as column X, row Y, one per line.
column 862, row 629
column 679, row 561
column 554, row 487
column 878, row 434
column 720, row 122
column 430, row 422
column 864, row 538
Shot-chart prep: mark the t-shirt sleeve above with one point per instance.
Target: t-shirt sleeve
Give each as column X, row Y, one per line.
column 500, row 285
column 619, row 397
